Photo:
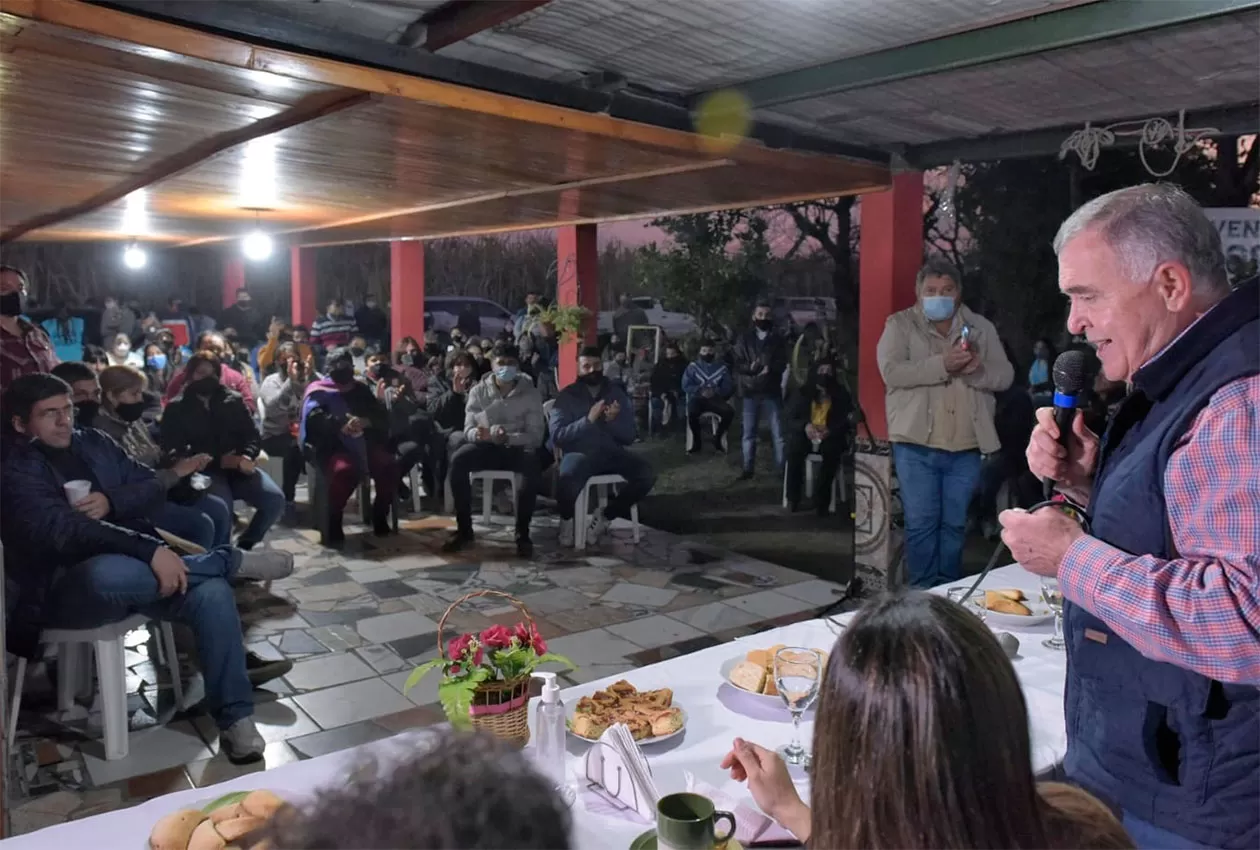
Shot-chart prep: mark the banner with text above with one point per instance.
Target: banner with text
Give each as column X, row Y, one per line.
column 1240, row 236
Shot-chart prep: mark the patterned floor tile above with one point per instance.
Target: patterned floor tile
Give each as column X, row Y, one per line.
column 341, row 738
column 345, row 704
column 650, row 632
column 328, row 671
column 411, row 718
column 382, row 659
column 628, row 593
column 715, row 617
column 212, row 771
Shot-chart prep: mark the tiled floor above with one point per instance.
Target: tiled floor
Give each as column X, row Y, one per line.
column 356, row 622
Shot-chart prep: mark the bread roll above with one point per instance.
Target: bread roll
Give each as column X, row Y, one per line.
column 261, row 804
column 228, row 812
column 996, row 602
column 749, row 676
column 1012, row 593
column 205, row 837
column 770, row 689
column 759, row 656
column 230, row 830
column 173, row 831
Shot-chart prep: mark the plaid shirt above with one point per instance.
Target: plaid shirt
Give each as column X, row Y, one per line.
column 1200, row 611
column 25, row 353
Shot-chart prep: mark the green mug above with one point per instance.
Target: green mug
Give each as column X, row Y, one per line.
column 687, row 822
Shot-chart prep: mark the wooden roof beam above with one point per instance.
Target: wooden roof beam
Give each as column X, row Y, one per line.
column 456, row 20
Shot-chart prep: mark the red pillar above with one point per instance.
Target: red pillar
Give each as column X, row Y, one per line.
column 302, row 286
column 233, row 279
column 891, row 252
column 577, row 283
column 406, row 290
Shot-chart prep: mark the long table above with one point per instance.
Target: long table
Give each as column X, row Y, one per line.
column 716, row 714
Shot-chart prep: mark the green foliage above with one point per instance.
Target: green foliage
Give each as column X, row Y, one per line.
column 456, row 695
column 715, row 269
column 568, row 320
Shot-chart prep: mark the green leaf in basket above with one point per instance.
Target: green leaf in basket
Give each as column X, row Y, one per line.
column 557, row 659
column 456, row 698
column 225, row 800
column 419, row 673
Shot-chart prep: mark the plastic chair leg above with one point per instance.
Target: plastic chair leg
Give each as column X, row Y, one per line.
column 487, row 500
column 172, row 661
column 111, row 671
column 19, row 679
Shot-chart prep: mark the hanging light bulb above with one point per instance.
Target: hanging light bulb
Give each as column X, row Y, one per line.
column 134, row 257
column 257, row 246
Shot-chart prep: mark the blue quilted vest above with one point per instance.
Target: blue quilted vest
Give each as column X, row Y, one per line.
column 1168, row 745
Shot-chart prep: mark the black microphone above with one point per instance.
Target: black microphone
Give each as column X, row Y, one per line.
column 1069, row 383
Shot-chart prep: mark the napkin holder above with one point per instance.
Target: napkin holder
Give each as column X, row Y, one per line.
column 609, row 776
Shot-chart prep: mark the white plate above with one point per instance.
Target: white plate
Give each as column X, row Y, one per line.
column 729, row 665
column 1041, row 613
column 570, row 710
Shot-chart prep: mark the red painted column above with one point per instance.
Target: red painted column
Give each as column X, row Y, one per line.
column 406, row 290
column 891, row 252
column 577, row 283
column 302, row 286
column 233, row 279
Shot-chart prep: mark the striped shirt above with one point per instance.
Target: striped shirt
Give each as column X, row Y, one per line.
column 1201, row 610
column 330, row 333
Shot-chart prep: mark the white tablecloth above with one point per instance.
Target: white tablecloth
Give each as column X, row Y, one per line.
column 716, row 714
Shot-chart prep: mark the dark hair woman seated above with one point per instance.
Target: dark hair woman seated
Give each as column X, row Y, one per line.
column 208, row 418
column 921, row 741
column 817, row 423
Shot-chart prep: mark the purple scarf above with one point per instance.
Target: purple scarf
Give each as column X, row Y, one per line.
column 324, row 393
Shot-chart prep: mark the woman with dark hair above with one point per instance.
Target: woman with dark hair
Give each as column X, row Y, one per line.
column 448, row 396
column 281, row 397
column 208, row 418
column 157, row 367
column 921, row 741
column 1039, row 373
column 817, row 423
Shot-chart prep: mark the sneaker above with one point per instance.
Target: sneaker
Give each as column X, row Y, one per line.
column 694, row 450
column 265, row 566
column 262, row 670
column 524, row 547
column 458, row 541
column 598, row 528
column 241, row 742
column 566, row 532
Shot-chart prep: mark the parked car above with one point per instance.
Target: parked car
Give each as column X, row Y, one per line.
column 442, row 313
column 794, row 313
column 674, row 324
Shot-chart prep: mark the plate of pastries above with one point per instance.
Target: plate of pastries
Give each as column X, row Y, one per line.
column 223, row 824
column 753, row 673
column 1010, row 606
column 651, row 716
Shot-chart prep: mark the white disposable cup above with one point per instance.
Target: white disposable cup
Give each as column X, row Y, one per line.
column 77, row 490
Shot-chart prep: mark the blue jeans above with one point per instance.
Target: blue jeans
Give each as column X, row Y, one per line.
column 1148, row 836
column 577, row 468
column 187, row 522
column 754, row 407
column 936, row 488
column 259, row 492
column 108, row 588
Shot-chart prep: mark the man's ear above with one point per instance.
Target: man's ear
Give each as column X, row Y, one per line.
column 1175, row 286
column 18, row 425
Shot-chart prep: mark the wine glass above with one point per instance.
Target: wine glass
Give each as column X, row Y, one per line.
column 973, row 603
column 1054, row 598
column 797, row 671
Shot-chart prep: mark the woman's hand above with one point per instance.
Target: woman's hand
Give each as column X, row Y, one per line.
column 187, row 466
column 770, row 785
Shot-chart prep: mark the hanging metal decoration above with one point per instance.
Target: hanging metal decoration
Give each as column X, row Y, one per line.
column 1088, row 142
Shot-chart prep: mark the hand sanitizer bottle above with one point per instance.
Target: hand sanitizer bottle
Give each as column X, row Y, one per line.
column 549, row 731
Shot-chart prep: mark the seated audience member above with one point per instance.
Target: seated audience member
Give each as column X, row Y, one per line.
column 920, row 700
column 282, row 392
column 410, row 361
column 278, row 334
column 85, row 390
column 479, row 358
column 503, row 423
column 157, row 367
column 120, row 353
column 24, row 346
column 448, row 398
column 359, row 353
column 708, row 386
column 410, row 427
column 84, row 565
column 193, row 516
column 347, row 428
column 66, row 332
column 216, row 345
column 94, row 357
column 592, row 423
column 666, row 382
column 617, row 370
column 208, row 418
column 422, row 803
column 817, row 423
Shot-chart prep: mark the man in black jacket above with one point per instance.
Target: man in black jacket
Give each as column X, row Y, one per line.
column 79, row 566
column 666, row 384
column 761, row 356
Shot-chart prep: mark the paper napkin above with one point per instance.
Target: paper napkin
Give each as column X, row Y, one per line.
column 752, row 826
column 617, row 768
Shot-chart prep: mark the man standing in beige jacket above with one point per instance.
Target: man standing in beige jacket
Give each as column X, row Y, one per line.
column 941, row 364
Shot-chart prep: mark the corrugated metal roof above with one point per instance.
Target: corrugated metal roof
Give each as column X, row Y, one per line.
column 1212, row 62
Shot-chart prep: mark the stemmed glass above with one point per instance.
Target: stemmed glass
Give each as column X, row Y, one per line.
column 797, row 671
column 1052, row 597
column 973, row 603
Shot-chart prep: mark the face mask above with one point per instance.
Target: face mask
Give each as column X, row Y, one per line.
column 371, row 305
column 342, row 375
column 157, row 361
column 204, row 386
column 110, row 305
column 357, row 350
column 131, row 411
column 707, row 358
column 85, row 412
column 122, row 350
column 764, row 324
column 938, row 308
column 592, row 379
column 11, row 304
column 505, row 374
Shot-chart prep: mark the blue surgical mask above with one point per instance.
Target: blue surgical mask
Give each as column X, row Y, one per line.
column 505, row 374
column 938, row 308
column 157, row 361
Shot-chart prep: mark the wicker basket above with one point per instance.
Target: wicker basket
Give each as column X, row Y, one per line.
column 500, row 708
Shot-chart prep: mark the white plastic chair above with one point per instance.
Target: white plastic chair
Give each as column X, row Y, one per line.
column 839, row 486
column 581, row 508
column 487, row 477
column 73, row 649
column 715, row 422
